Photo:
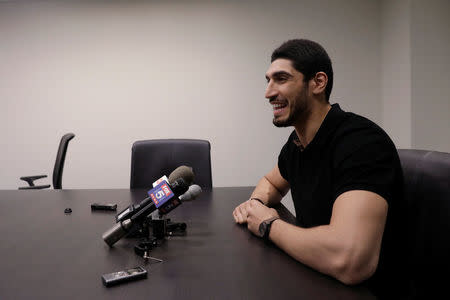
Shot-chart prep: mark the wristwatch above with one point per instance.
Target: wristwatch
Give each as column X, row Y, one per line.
column 264, row 227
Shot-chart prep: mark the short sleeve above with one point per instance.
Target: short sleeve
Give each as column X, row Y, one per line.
column 283, row 158
column 365, row 160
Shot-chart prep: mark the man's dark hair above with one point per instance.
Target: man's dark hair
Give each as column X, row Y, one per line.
column 307, row 57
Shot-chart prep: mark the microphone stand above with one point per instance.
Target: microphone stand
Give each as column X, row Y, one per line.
column 161, row 228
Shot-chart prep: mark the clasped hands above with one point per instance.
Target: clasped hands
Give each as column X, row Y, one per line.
column 253, row 213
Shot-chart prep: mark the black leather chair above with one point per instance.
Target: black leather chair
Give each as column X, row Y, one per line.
column 427, row 192
column 57, row 169
column 150, row 159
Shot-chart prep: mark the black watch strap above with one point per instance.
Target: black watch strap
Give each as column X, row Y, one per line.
column 268, row 223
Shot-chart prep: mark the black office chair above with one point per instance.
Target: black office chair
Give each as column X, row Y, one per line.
column 150, row 159
column 57, row 170
column 427, row 191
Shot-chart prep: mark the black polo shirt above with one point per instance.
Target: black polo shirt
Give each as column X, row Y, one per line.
column 348, row 152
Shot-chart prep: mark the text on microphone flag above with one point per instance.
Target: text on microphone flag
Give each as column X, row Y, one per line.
column 160, row 194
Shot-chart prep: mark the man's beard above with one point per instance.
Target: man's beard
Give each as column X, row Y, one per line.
column 296, row 111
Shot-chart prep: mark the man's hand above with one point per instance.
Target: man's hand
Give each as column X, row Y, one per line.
column 253, row 213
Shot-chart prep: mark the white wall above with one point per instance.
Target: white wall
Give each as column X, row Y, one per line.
column 396, row 71
column 415, row 73
column 114, row 73
column 430, row 69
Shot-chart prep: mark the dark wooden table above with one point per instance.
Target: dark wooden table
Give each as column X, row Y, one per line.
column 47, row 254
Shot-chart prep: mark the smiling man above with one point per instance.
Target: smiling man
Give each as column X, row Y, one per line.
column 343, row 172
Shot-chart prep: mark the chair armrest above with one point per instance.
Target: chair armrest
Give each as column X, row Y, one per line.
column 31, row 179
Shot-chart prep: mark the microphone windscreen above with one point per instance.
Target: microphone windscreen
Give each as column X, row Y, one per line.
column 182, row 172
column 192, row 193
column 195, row 190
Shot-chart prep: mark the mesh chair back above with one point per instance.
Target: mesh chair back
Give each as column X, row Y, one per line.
column 150, row 159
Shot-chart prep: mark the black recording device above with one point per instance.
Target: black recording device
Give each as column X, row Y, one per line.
column 124, row 276
column 104, row 206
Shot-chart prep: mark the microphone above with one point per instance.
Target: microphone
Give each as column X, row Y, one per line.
column 183, row 172
column 163, row 197
column 192, row 193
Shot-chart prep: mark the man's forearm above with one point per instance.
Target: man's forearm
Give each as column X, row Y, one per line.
column 267, row 192
column 316, row 247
